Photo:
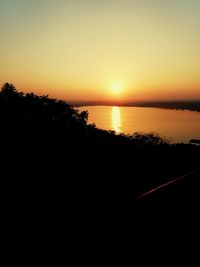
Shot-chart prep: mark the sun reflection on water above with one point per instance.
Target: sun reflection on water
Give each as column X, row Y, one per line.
column 116, row 119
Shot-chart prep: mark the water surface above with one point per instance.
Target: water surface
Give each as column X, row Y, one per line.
column 176, row 125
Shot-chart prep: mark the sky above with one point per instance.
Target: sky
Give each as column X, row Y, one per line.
column 102, row 49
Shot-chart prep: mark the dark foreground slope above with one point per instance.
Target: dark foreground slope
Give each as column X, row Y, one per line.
column 56, row 170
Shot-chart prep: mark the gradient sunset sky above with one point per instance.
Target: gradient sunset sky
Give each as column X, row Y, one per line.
column 84, row 49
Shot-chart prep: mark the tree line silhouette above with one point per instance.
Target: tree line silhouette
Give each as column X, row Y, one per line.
column 53, row 160
column 47, row 139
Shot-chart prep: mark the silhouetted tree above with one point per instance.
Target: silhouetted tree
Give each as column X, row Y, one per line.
column 8, row 89
column 45, row 139
column 152, row 139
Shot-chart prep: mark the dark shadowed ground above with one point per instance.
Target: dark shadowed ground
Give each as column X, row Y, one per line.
column 65, row 180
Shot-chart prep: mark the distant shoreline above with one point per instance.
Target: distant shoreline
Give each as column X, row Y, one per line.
column 177, row 105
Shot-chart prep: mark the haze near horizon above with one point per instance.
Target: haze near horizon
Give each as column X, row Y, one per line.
column 102, row 50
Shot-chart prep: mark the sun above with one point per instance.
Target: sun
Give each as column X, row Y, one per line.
column 116, row 88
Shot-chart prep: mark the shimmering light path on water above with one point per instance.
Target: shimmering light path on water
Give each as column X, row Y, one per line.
column 176, row 125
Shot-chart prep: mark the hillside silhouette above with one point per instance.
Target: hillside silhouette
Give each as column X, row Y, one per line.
column 53, row 163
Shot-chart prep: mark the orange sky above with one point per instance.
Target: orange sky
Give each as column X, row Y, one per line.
column 80, row 49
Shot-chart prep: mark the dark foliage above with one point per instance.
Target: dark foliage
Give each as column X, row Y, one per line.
column 53, row 162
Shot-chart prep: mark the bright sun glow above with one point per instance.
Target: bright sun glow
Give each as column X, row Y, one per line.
column 116, row 88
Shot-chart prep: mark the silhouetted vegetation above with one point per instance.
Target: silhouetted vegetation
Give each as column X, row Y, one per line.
column 52, row 160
